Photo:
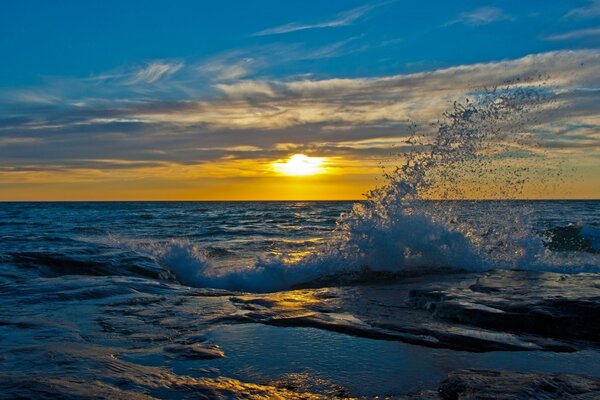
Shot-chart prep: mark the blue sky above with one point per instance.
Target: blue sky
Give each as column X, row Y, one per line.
column 74, row 38
column 102, row 88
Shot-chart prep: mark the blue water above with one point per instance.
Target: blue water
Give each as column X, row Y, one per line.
column 232, row 233
column 94, row 291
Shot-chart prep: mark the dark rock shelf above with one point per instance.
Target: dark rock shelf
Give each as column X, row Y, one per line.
column 496, row 310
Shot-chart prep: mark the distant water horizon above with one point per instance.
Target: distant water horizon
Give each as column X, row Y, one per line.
column 287, row 200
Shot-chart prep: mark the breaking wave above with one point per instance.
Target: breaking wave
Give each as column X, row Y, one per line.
column 399, row 228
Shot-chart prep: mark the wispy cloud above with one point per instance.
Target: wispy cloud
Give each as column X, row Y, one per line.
column 155, row 71
column 341, row 19
column 481, row 16
column 33, row 97
column 240, row 64
column 593, row 10
column 231, row 66
column 577, row 34
column 148, row 73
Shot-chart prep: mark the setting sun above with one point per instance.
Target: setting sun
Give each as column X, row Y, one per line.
column 299, row 165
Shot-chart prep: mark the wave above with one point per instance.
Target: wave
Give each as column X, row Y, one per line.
column 398, row 230
column 192, row 266
column 384, row 256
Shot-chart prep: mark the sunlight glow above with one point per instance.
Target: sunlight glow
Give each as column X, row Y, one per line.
column 300, row 165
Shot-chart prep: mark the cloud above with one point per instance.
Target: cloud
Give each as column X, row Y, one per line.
column 591, row 11
column 32, row 97
column 481, row 16
column 391, row 99
column 243, row 89
column 341, row 19
column 179, row 124
column 240, row 64
column 577, row 34
column 227, row 67
column 6, row 141
column 154, row 71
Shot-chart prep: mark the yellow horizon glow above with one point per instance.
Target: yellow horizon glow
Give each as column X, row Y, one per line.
column 300, row 165
column 230, row 178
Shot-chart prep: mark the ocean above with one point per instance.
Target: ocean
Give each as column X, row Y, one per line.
column 394, row 296
column 235, row 299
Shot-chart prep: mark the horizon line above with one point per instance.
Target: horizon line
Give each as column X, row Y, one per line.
column 279, row 200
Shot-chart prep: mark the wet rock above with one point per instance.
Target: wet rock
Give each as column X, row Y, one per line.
column 104, row 261
column 12, row 387
column 493, row 311
column 504, row 385
column 194, row 351
column 169, row 386
column 298, row 382
column 564, row 307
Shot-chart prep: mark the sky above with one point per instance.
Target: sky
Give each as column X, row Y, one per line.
column 209, row 100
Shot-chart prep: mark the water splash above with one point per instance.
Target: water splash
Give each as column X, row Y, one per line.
column 410, row 223
column 398, row 227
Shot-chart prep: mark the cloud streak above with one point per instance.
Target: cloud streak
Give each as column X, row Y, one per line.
column 341, row 19
column 481, row 16
column 591, row 11
column 155, row 71
column 577, row 34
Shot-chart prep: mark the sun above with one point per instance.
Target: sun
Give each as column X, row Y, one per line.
column 299, row 165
